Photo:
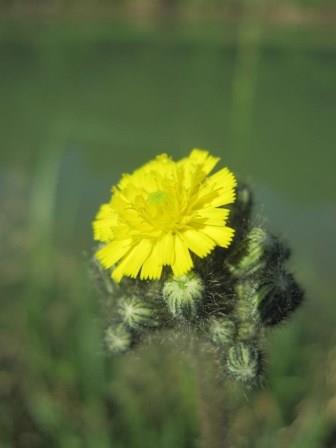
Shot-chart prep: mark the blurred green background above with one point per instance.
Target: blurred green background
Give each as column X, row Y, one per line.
column 91, row 89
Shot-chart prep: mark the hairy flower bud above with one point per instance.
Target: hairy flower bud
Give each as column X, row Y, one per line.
column 117, row 339
column 221, row 330
column 248, row 298
column 242, row 362
column 246, row 310
column 135, row 313
column 259, row 243
column 183, row 294
column 284, row 296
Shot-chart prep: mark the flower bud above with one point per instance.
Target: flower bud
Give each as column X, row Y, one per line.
column 117, row 339
column 284, row 296
column 258, row 241
column 242, row 362
column 221, row 330
column 246, row 310
column 135, row 313
column 259, row 245
column 248, row 297
column 183, row 294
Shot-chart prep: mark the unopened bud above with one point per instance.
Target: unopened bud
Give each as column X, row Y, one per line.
column 242, row 362
column 258, row 243
column 183, row 295
column 117, row 339
column 284, row 296
column 135, row 313
column 221, row 330
column 248, row 297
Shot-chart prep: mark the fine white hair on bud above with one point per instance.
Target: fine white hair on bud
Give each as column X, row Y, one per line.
column 117, row 339
column 247, row 300
column 183, row 294
column 246, row 309
column 258, row 244
column 135, row 313
column 242, row 362
column 283, row 296
column 221, row 330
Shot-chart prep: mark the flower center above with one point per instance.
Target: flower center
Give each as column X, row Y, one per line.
column 157, row 197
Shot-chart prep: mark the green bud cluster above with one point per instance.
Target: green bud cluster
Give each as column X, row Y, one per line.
column 229, row 299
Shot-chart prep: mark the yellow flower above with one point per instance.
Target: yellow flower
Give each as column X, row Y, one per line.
column 161, row 212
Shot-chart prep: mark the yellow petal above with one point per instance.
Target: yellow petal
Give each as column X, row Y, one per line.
column 224, row 182
column 221, row 235
column 183, row 261
column 198, row 243
column 102, row 231
column 152, row 268
column 223, row 177
column 214, row 216
column 202, row 157
column 112, row 252
column 104, row 222
column 133, row 261
column 166, row 249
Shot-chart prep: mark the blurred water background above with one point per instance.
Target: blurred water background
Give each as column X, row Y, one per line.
column 92, row 89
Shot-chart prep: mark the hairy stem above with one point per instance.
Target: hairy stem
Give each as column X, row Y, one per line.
column 211, row 404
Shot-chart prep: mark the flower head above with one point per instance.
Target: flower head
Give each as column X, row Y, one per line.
column 161, row 213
